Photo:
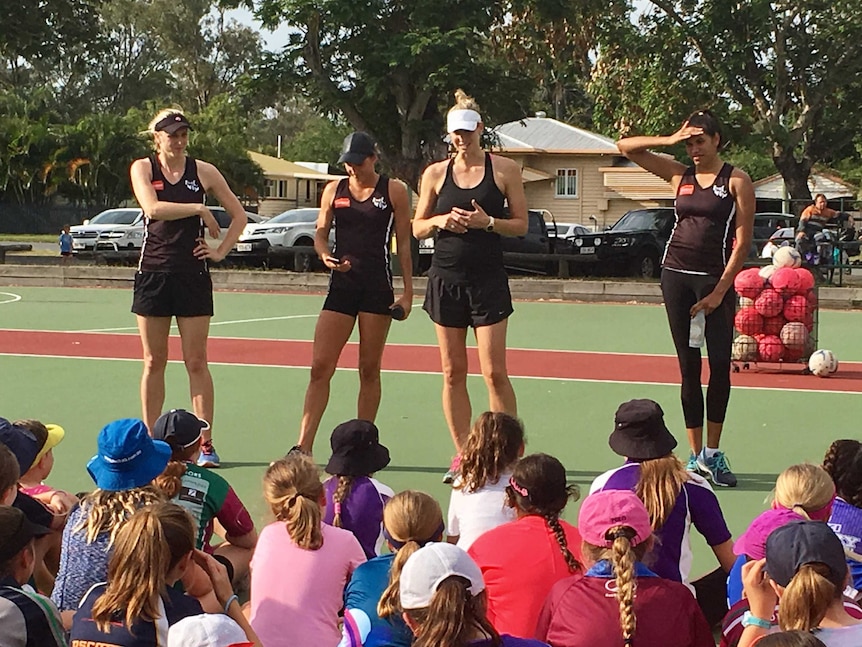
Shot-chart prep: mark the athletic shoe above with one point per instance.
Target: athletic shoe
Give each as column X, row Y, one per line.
column 454, row 470
column 209, row 456
column 717, row 468
column 692, row 466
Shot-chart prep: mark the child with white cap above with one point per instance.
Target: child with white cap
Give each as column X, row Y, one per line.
column 211, row 630
column 443, row 597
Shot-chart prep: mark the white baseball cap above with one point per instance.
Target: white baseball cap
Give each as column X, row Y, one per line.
column 462, row 120
column 429, row 566
column 207, row 630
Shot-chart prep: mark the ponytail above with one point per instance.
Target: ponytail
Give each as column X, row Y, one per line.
column 390, row 601
column 623, row 559
column 170, row 481
column 453, row 618
column 806, row 598
column 553, row 521
column 293, row 490
column 659, row 485
column 345, row 484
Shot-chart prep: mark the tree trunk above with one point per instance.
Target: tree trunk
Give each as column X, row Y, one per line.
column 795, row 174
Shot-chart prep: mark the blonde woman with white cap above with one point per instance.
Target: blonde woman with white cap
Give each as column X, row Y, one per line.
column 443, row 596
column 462, row 202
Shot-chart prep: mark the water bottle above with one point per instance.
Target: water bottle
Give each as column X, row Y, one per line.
column 697, row 330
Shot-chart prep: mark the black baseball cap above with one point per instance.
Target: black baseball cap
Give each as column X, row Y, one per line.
column 172, row 123
column 179, row 428
column 357, row 147
column 797, row 543
column 16, row 531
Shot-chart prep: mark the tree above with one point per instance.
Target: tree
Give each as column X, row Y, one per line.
column 788, row 68
column 390, row 68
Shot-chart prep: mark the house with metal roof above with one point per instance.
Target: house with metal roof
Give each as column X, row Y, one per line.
column 577, row 175
column 289, row 185
column 772, row 193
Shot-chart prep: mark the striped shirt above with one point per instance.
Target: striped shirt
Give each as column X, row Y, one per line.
column 28, row 619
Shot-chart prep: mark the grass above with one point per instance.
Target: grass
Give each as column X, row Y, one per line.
column 28, row 238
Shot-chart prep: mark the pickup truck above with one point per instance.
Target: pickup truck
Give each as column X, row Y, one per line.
column 517, row 250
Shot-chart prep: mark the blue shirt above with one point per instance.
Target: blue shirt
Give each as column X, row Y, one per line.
column 65, row 242
column 362, row 625
column 846, row 521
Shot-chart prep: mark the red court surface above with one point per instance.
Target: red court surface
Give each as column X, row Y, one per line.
column 546, row 364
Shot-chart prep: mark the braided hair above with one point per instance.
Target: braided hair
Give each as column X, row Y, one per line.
column 538, row 486
column 342, row 491
column 843, row 462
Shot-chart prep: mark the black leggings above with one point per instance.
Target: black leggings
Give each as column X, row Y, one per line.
column 681, row 291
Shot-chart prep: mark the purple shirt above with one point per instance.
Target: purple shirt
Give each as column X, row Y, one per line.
column 696, row 504
column 361, row 512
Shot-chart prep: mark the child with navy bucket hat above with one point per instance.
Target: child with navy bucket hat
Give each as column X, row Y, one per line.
column 126, row 462
column 355, row 500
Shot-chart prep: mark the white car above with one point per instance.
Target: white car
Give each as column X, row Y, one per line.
column 123, row 229
column 279, row 235
column 114, row 229
column 567, row 230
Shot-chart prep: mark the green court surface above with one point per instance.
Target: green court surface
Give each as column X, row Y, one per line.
column 258, row 407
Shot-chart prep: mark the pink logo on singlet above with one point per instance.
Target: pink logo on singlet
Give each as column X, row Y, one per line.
column 158, row 185
column 341, row 203
column 686, row 189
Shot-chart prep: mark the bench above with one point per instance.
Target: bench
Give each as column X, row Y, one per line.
column 13, row 247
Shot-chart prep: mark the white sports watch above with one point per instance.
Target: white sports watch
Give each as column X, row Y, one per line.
column 490, row 225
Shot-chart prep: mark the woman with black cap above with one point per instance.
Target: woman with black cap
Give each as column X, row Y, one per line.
column 462, row 202
column 805, row 573
column 365, row 208
column 707, row 248
column 173, row 278
column 674, row 497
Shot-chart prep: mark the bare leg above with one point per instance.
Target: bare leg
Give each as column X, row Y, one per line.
column 154, row 338
column 240, row 558
column 193, row 333
column 456, row 399
column 373, row 329
column 331, row 333
column 491, row 342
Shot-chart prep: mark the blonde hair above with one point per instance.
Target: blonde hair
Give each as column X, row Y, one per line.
column 659, row 485
column 453, row 617
column 807, row 597
column 342, row 491
column 623, row 557
column 492, row 447
column 409, row 517
column 106, row 511
column 161, row 114
column 148, row 546
column 293, row 490
column 170, row 481
column 464, row 102
column 804, row 488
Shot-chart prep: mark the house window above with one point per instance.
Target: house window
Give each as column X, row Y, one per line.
column 567, row 183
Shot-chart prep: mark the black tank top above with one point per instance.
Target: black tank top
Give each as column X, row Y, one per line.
column 169, row 244
column 702, row 236
column 476, row 252
column 363, row 233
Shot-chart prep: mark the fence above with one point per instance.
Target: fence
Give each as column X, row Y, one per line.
column 41, row 219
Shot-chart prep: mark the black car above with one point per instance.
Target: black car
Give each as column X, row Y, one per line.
column 633, row 245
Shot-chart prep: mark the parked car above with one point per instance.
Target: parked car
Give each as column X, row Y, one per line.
column 122, row 230
column 537, row 241
column 114, row 229
column 273, row 241
column 568, row 230
column 633, row 245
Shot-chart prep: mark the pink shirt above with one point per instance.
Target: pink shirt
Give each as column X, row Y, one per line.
column 521, row 561
column 296, row 594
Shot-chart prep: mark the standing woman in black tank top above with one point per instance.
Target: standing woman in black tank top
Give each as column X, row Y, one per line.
column 173, row 276
column 365, row 208
column 714, row 206
column 462, row 201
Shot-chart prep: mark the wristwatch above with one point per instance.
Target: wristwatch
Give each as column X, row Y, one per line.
column 749, row 620
column 490, row 225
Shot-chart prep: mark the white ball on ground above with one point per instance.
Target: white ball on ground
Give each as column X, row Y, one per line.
column 744, row 348
column 787, row 257
column 822, row 363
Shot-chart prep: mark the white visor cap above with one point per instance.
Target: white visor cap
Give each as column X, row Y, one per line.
column 462, row 120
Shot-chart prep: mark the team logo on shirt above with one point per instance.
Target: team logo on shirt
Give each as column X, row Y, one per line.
column 192, row 185
column 719, row 191
column 158, row 185
column 341, row 203
column 379, row 201
column 686, row 189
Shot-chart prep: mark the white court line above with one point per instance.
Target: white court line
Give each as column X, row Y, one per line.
column 403, row 372
column 212, row 323
column 13, row 299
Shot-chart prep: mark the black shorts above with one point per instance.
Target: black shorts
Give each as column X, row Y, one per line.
column 173, row 294
column 484, row 301
column 351, row 301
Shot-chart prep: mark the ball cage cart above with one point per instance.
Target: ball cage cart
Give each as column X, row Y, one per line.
column 776, row 321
